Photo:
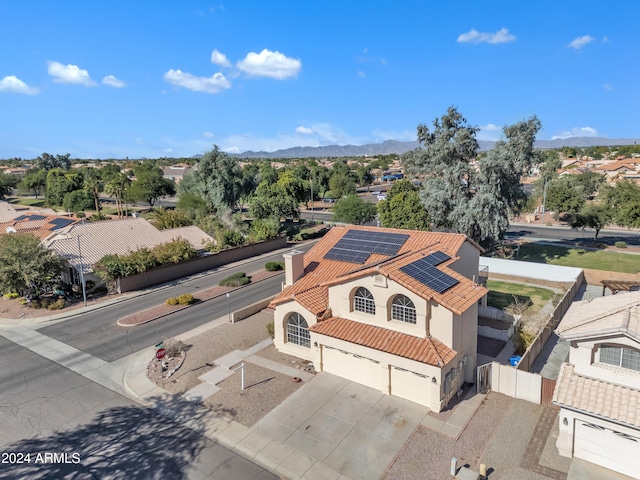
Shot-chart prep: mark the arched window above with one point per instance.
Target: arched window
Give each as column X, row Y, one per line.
column 620, row 357
column 403, row 309
column 298, row 330
column 363, row 301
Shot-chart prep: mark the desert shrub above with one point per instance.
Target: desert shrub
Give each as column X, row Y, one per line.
column 171, row 301
column 186, row 299
column 271, row 330
column 274, row 266
column 621, row 245
column 57, row 305
column 235, row 280
column 36, row 304
column 173, row 347
column 11, row 296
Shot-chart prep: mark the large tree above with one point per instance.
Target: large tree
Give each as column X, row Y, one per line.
column 117, row 187
column 59, row 183
column 593, row 215
column 26, row 264
column 353, row 210
column 48, row 162
column 460, row 197
column 7, row 184
column 150, row 184
column 403, row 209
column 273, row 201
column 35, row 180
column 218, row 180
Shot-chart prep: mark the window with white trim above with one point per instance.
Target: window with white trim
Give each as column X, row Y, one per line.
column 363, row 301
column 298, row 330
column 403, row 309
column 620, row 357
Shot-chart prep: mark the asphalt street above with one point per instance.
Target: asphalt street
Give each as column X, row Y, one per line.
column 98, row 334
column 58, row 424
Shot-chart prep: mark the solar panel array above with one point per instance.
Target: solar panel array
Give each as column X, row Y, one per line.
column 425, row 271
column 356, row 245
column 61, row 222
column 36, row 217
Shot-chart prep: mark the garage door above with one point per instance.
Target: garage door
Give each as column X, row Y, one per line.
column 352, row 367
column 606, row 447
column 410, row 385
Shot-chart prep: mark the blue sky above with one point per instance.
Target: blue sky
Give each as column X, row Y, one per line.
column 116, row 79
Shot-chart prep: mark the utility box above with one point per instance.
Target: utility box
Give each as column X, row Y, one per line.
column 467, row 474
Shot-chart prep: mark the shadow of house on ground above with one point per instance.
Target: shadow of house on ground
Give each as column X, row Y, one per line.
column 119, row 443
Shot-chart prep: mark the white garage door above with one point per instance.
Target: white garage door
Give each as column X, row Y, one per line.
column 352, row 367
column 606, row 447
column 410, row 385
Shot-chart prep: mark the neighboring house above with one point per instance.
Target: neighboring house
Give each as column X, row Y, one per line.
column 83, row 244
column 598, row 391
column 621, row 167
column 396, row 310
column 17, row 171
column 176, row 172
column 41, row 225
column 7, row 212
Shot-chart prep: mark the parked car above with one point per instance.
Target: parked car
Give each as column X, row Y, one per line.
column 328, row 200
column 382, row 196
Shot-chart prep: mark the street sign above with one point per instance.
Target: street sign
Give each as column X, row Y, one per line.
column 160, row 353
column 160, row 345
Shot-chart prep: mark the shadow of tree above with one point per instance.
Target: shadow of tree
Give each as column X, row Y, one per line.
column 119, row 443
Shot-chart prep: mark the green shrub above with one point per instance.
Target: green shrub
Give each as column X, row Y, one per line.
column 522, row 339
column 235, row 280
column 36, row 304
column 11, row 296
column 57, row 305
column 271, row 330
column 621, row 245
column 274, row 266
column 186, row 299
column 171, row 301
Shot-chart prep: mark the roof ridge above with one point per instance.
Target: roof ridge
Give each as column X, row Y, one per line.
column 441, row 362
column 600, row 316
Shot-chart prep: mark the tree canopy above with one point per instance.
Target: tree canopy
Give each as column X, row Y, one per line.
column 150, row 184
column 403, row 209
column 459, row 197
column 25, row 264
column 218, row 180
column 353, row 210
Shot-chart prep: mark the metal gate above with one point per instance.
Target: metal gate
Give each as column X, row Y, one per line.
column 483, row 383
column 546, row 398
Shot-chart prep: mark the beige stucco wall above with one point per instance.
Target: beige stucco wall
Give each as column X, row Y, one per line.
column 468, row 262
column 282, row 311
column 584, row 355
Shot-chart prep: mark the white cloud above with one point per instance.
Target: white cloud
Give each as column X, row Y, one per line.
column 214, row 84
column 576, row 132
column 13, row 84
column 208, row 134
column 608, row 86
column 474, row 36
column 269, row 64
column 113, row 82
column 304, row 130
column 218, row 58
column 70, row 74
column 361, row 74
column 580, row 42
column 490, row 132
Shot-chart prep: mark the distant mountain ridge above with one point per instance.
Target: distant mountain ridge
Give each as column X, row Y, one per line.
column 393, row 146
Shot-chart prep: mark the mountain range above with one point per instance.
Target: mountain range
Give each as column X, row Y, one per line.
column 393, row 146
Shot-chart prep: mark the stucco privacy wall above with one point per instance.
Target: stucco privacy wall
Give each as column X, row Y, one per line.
column 516, row 383
column 539, row 271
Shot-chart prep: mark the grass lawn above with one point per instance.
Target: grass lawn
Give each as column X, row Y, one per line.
column 28, row 201
column 501, row 295
column 577, row 257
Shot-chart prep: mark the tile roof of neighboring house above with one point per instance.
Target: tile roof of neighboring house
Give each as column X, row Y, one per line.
column 123, row 236
column 611, row 315
column 597, row 397
column 617, row 165
column 311, row 291
column 7, row 212
column 424, row 350
column 39, row 224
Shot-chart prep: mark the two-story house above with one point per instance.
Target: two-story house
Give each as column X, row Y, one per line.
column 598, row 390
column 396, row 310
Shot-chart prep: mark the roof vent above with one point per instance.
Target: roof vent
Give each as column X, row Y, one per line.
column 11, row 230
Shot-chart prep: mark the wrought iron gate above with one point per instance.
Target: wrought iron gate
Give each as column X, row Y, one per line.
column 483, row 383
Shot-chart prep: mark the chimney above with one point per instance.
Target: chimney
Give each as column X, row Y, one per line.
column 293, row 266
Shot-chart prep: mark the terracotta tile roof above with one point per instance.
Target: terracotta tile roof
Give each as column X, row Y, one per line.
column 424, row 350
column 123, row 236
column 597, row 397
column 39, row 224
column 311, row 290
column 613, row 314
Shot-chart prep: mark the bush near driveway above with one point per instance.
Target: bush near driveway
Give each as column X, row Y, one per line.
column 235, row 280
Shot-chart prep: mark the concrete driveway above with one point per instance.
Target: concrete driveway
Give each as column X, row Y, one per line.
column 335, row 420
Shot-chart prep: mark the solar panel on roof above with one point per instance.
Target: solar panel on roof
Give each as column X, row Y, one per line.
column 61, row 222
column 361, row 243
column 424, row 272
column 437, row 258
column 36, row 217
column 21, row 217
